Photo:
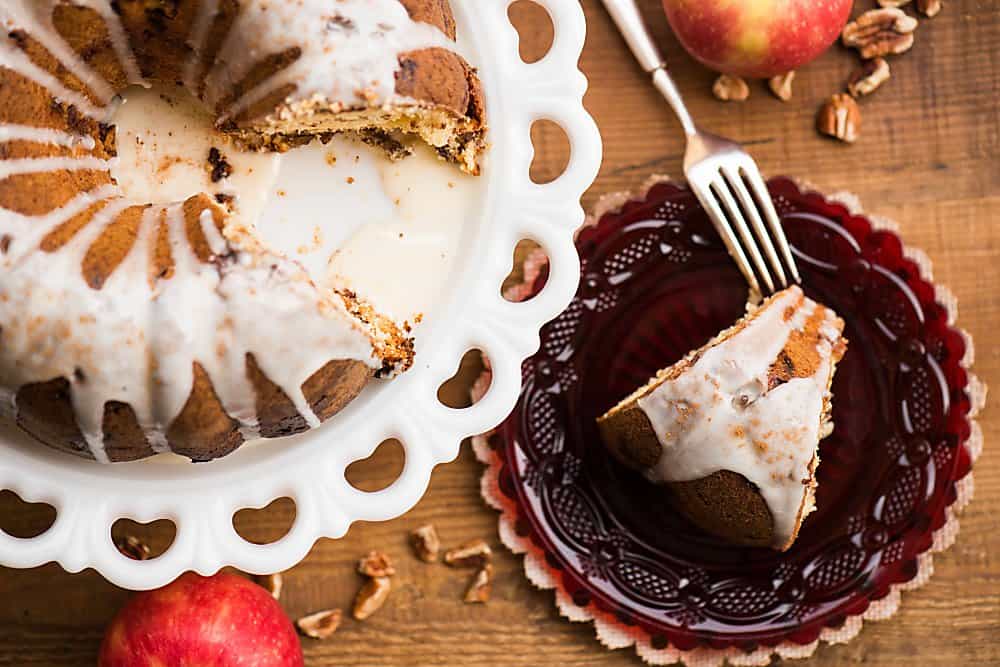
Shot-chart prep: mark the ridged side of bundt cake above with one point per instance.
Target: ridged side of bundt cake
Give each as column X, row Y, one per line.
column 129, row 328
column 249, row 62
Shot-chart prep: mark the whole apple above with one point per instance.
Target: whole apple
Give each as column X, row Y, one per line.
column 756, row 38
column 218, row 621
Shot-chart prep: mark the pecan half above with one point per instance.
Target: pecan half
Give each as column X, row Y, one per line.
column 869, row 76
column 729, row 88
column 320, row 625
column 481, row 585
column 272, row 583
column 133, row 548
column 376, row 564
column 880, row 32
column 781, row 85
column 840, row 118
column 425, row 543
column 371, row 597
column 471, row 554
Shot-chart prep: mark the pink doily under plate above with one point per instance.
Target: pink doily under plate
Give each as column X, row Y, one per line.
column 667, row 208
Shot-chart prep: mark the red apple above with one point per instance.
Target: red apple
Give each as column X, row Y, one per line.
column 219, row 621
column 756, row 38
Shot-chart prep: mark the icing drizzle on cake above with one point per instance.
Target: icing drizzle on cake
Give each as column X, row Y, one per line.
column 114, row 327
column 753, row 402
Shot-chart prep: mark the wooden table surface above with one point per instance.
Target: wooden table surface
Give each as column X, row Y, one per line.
column 927, row 157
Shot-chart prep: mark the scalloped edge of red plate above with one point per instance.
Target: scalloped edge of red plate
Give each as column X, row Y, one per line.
column 611, row 632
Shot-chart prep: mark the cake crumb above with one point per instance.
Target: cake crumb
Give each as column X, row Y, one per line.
column 220, row 167
column 350, row 180
column 331, row 159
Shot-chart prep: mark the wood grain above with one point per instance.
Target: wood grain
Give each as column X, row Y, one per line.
column 927, row 157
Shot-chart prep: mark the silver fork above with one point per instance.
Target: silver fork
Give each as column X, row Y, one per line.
column 722, row 175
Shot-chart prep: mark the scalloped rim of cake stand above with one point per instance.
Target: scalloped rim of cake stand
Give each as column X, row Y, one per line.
column 89, row 497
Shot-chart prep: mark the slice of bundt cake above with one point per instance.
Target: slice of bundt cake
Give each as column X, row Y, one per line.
column 129, row 328
column 733, row 428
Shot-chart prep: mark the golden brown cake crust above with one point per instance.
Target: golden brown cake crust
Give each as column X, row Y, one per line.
column 85, row 32
column 435, row 12
column 726, row 504
column 158, row 32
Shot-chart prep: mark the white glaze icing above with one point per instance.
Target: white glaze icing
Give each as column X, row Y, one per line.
column 357, row 40
column 135, row 341
column 719, row 415
column 44, row 135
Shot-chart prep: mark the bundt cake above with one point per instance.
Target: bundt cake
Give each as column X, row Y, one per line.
column 129, row 328
column 733, row 428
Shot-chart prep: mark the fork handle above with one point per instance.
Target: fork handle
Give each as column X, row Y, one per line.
column 626, row 16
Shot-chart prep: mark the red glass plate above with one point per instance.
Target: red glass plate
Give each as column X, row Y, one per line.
column 657, row 283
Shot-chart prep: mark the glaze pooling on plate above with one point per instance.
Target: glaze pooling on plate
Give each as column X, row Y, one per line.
column 723, row 412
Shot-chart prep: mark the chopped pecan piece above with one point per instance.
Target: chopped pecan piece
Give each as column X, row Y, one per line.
column 133, row 548
column 840, row 118
column 781, row 85
column 869, row 76
column 471, row 554
column 320, row 625
column 481, row 585
column 880, row 32
column 272, row 583
column 376, row 564
column 426, row 543
column 729, row 88
column 371, row 597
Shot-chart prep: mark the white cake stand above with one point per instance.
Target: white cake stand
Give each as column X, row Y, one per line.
column 202, row 499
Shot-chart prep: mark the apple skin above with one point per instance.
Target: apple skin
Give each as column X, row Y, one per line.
column 219, row 621
column 756, row 38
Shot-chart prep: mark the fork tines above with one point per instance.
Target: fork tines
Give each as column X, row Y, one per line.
column 732, row 191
